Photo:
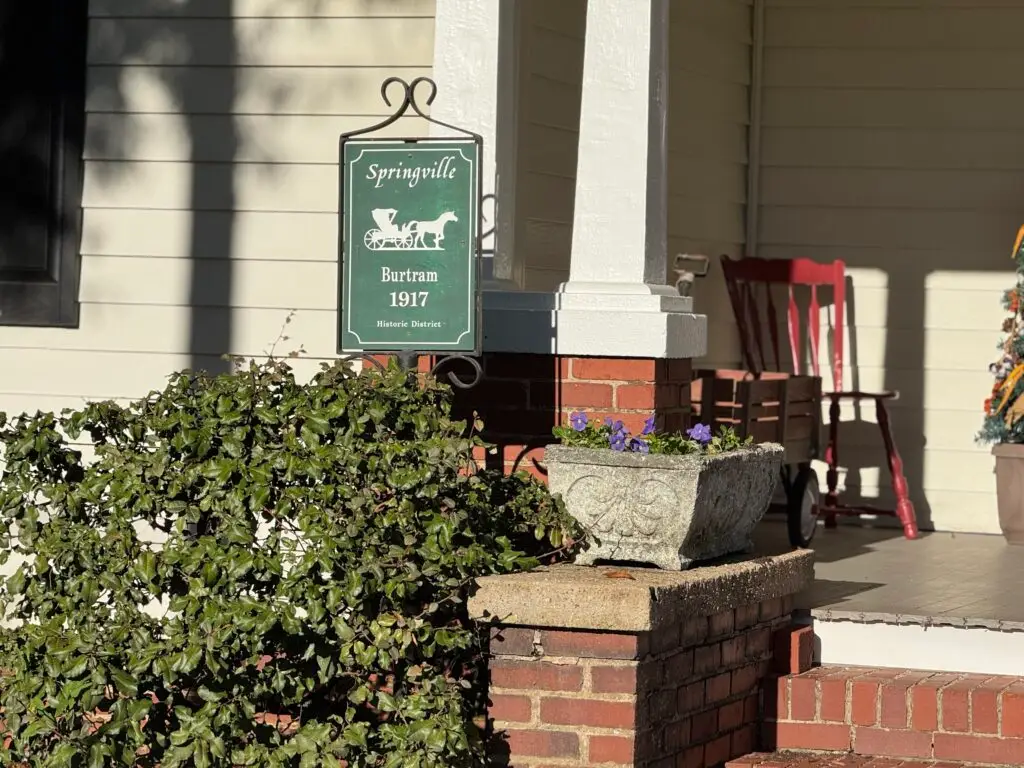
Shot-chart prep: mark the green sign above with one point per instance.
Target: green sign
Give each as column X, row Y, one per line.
column 409, row 220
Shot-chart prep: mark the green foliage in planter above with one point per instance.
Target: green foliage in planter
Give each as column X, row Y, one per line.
column 1004, row 407
column 612, row 434
column 254, row 572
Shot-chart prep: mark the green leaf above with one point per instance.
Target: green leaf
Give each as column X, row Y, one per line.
column 16, row 581
column 201, row 756
column 356, row 735
column 317, row 424
column 125, row 683
column 304, row 743
column 147, row 566
column 42, row 724
column 436, row 740
column 76, row 667
column 139, row 708
column 386, row 702
column 72, row 690
column 207, row 695
column 217, row 748
column 188, row 659
column 420, row 730
column 64, row 754
column 97, row 755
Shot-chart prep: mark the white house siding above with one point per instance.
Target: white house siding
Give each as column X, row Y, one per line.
column 709, row 116
column 892, row 140
column 550, row 75
column 211, row 185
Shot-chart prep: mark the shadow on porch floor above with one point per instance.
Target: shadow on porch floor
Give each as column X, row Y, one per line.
column 961, row 579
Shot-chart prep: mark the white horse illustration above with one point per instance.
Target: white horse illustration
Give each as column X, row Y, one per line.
column 435, row 228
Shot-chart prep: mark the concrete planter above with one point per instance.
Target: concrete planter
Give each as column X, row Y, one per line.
column 668, row 511
column 1010, row 490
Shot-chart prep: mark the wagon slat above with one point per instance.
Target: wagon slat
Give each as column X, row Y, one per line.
column 775, row 407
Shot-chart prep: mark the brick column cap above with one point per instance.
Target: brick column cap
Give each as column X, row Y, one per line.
column 614, row 599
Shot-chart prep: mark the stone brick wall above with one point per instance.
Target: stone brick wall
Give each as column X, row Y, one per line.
column 522, row 397
column 686, row 694
column 898, row 713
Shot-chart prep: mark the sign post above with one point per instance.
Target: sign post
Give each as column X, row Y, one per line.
column 410, row 226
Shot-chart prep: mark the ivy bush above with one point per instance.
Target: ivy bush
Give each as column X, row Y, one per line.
column 254, row 572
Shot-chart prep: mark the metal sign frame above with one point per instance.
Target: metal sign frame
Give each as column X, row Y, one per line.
column 409, row 102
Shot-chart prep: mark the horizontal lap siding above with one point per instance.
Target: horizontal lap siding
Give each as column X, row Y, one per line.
column 247, row 98
column 709, row 117
column 550, row 81
column 892, row 139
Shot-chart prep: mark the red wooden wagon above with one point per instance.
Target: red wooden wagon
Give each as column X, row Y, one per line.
column 772, row 404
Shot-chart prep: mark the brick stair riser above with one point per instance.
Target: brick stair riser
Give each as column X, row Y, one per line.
column 897, row 713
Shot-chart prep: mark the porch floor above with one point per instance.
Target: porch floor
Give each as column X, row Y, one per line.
column 874, row 574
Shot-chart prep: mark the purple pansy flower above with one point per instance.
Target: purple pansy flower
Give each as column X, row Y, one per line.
column 700, row 432
column 639, row 446
column 617, row 441
column 648, row 425
column 578, row 421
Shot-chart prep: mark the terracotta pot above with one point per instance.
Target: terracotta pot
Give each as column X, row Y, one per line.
column 1010, row 490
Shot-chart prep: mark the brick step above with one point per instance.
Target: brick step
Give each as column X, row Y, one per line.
column 808, row 760
column 897, row 713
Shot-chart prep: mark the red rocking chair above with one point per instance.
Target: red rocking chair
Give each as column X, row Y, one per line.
column 745, row 279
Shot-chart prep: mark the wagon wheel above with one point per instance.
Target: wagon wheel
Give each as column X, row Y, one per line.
column 405, row 240
column 370, row 239
column 803, row 503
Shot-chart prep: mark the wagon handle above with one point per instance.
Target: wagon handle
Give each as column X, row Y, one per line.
column 684, row 276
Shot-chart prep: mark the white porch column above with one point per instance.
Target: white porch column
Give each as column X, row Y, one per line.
column 616, row 302
column 474, row 52
column 620, row 227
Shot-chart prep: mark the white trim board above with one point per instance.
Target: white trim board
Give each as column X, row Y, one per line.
column 944, row 648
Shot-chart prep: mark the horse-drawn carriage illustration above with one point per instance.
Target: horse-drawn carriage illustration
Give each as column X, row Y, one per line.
column 388, row 236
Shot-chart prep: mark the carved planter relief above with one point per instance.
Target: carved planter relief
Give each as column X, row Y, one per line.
column 668, row 511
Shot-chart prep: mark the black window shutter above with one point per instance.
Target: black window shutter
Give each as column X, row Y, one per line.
column 42, row 119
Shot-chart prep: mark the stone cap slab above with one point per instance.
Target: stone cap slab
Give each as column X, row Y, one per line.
column 612, row 599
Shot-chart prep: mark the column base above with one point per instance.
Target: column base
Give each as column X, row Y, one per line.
column 622, row 324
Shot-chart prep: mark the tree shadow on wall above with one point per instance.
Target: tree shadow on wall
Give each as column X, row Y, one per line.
column 150, row 60
column 190, row 48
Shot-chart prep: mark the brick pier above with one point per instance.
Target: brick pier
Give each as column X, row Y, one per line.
column 599, row 666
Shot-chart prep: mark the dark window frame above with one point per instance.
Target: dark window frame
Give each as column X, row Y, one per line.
column 49, row 297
